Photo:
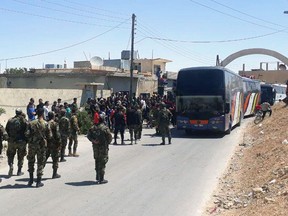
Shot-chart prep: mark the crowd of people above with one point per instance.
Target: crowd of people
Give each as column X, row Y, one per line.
column 47, row 129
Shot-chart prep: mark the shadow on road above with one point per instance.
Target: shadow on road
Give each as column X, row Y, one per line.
column 15, row 186
column 196, row 135
column 154, row 145
column 27, row 179
column 82, row 183
column 5, row 176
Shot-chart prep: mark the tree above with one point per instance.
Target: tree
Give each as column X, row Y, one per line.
column 15, row 71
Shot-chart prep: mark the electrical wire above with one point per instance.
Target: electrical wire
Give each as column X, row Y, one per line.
column 246, row 14
column 66, row 12
column 53, row 18
column 213, row 41
column 150, row 31
column 67, row 47
column 173, row 48
column 78, row 9
column 235, row 17
column 90, row 6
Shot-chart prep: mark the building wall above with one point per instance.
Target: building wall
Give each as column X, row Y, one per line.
column 52, row 81
column 147, row 86
column 271, row 76
column 12, row 98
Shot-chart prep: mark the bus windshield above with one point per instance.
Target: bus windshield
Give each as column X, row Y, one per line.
column 201, row 104
column 201, row 82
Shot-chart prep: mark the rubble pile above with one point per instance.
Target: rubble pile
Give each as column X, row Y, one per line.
column 256, row 181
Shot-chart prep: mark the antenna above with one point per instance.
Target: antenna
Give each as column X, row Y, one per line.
column 85, row 56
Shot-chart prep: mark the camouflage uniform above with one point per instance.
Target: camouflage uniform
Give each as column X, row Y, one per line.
column 131, row 124
column 74, row 130
column 163, row 122
column 100, row 137
column 53, row 146
column 3, row 136
column 38, row 133
column 64, row 128
column 139, row 123
column 154, row 116
column 17, row 142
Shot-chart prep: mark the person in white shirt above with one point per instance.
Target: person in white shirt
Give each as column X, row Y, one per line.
column 46, row 110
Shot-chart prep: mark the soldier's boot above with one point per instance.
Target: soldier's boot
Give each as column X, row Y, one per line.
column 70, row 153
column 163, row 142
column 10, row 172
column 75, row 153
column 31, row 179
column 97, row 178
column 169, row 140
column 39, row 182
column 131, row 139
column 102, row 180
column 62, row 159
column 55, row 174
column 19, row 172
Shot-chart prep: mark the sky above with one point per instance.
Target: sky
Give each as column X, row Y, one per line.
column 187, row 32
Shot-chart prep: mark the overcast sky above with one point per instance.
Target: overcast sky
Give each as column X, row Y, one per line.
column 188, row 32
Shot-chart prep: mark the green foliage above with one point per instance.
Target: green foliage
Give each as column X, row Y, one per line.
column 2, row 111
column 15, row 71
column 84, row 121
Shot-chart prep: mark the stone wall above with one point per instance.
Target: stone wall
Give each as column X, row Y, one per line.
column 11, row 99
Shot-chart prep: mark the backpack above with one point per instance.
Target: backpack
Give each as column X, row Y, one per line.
column 64, row 125
column 164, row 117
column 15, row 128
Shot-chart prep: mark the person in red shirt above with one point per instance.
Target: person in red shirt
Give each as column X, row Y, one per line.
column 96, row 117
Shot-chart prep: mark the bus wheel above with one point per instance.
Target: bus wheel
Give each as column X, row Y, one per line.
column 188, row 131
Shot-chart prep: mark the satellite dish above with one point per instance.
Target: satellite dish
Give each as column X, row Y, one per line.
column 96, row 61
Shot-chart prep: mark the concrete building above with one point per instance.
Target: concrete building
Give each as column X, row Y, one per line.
column 96, row 81
column 280, row 75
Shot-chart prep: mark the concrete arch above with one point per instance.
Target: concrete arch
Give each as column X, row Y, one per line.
column 254, row 51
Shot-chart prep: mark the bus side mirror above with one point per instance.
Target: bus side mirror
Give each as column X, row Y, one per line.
column 227, row 107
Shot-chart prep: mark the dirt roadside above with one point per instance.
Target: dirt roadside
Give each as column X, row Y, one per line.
column 256, row 180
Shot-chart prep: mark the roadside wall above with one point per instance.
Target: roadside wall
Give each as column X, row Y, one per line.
column 11, row 99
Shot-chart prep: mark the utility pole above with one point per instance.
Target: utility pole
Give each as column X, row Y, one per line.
column 132, row 58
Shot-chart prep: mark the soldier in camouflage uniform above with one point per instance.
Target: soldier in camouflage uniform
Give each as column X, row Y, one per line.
column 100, row 137
column 54, row 144
column 163, row 123
column 139, row 122
column 17, row 141
column 131, row 123
column 38, row 134
column 64, row 128
column 3, row 136
column 154, row 116
column 74, row 130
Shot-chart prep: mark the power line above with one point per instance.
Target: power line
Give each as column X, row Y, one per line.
column 53, row 18
column 78, row 9
column 66, row 12
column 212, row 41
column 90, row 6
column 67, row 47
column 153, row 32
column 235, row 17
column 246, row 14
column 173, row 48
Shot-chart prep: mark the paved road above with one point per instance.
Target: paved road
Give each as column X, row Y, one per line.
column 144, row 179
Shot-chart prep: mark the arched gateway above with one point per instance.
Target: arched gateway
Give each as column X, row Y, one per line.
column 254, row 51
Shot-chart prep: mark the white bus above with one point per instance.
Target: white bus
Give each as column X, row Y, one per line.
column 280, row 91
